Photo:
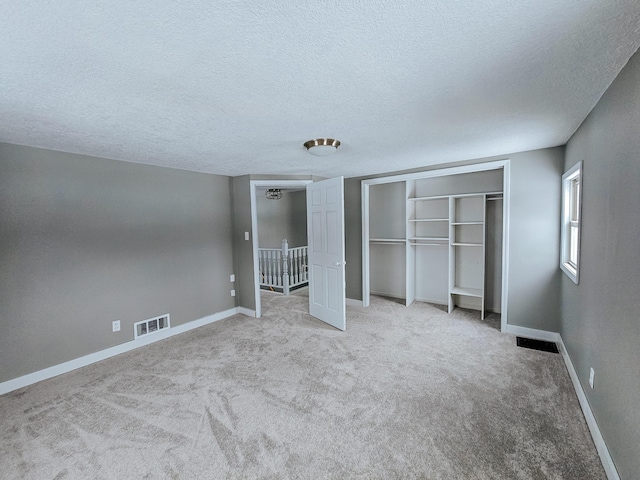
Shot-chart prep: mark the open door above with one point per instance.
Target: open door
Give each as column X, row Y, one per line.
column 325, row 231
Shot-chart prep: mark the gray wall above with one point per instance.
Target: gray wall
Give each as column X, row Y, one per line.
column 534, row 277
column 284, row 218
column 85, row 241
column 298, row 215
column 493, row 279
column 534, row 239
column 245, row 288
column 353, row 238
column 476, row 182
column 601, row 316
column 387, row 205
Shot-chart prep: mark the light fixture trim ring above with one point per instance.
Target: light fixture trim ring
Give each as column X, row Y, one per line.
column 322, row 146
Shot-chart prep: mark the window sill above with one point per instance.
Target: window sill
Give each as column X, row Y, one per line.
column 570, row 271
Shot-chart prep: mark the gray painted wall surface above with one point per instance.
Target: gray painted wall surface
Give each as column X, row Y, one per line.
column 601, row 316
column 284, row 218
column 245, row 287
column 85, row 241
column 387, row 205
column 353, row 238
column 477, row 182
column 534, row 277
column 493, row 279
column 534, row 236
column 298, row 216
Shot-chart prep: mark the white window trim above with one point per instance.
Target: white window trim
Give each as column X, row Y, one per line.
column 572, row 271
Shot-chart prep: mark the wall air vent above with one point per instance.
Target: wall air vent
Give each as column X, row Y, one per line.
column 153, row 325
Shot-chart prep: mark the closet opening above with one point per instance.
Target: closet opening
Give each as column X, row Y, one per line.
column 439, row 237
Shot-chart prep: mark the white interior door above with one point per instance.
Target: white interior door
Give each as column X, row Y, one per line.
column 325, row 225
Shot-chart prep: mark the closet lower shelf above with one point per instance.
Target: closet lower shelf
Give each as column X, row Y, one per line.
column 469, row 292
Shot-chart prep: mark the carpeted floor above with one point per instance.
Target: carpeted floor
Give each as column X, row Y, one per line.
column 405, row 392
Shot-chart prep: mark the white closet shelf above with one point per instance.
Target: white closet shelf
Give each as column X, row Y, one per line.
column 429, row 219
column 424, row 199
column 469, row 292
column 429, row 239
column 459, row 195
column 467, row 223
column 401, row 241
column 466, row 244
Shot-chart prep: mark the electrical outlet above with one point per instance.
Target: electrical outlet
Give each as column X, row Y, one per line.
column 115, row 326
column 232, row 278
column 592, row 377
column 246, row 235
column 233, row 293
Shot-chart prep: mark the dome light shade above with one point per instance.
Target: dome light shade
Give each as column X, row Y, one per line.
column 321, row 147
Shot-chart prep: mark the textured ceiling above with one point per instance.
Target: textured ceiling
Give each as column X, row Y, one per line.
column 236, row 87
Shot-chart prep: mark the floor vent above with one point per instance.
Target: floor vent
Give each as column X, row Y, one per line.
column 537, row 344
column 153, row 325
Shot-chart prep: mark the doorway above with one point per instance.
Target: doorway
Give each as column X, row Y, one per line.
column 263, row 232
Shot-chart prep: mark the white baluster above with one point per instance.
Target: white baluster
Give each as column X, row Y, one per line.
column 271, row 272
column 279, row 268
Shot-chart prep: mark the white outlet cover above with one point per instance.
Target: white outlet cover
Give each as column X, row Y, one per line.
column 233, row 293
column 115, row 326
column 592, row 377
column 232, row 278
column 246, row 235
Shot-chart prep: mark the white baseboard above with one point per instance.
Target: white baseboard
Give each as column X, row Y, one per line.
column 388, row 295
column 54, row 371
column 352, row 302
column 601, row 446
column 435, row 301
column 246, row 311
column 533, row 333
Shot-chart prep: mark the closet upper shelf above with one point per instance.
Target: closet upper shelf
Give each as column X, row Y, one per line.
column 443, row 239
column 457, row 195
column 429, row 219
column 400, row 241
column 435, row 197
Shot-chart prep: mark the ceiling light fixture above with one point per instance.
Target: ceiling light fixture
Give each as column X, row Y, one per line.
column 321, row 147
column 273, row 194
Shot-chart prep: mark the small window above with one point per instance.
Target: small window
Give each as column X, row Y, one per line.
column 571, row 211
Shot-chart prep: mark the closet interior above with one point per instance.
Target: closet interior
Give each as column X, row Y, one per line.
column 438, row 240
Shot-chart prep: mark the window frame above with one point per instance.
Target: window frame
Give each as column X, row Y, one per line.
column 571, row 226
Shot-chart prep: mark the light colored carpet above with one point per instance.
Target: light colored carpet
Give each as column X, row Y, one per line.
column 405, row 392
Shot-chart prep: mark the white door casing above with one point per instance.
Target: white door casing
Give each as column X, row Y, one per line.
column 325, row 225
